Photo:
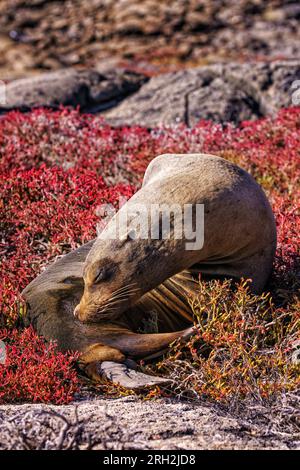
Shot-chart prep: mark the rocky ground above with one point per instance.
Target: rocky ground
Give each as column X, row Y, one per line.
column 131, row 423
column 39, row 35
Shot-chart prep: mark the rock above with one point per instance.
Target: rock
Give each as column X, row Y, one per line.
column 131, row 423
column 224, row 92
column 89, row 89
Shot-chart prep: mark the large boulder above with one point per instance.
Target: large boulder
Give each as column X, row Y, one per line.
column 222, row 92
column 90, row 89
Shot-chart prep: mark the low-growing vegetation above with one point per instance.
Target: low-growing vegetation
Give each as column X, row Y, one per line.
column 244, row 347
column 57, row 167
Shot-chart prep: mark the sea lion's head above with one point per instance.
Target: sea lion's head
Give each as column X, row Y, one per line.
column 113, row 279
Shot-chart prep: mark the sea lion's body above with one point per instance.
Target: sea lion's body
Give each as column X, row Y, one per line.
column 239, row 241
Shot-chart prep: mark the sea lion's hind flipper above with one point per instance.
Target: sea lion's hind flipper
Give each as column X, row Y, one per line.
column 183, row 335
column 101, row 362
column 127, row 377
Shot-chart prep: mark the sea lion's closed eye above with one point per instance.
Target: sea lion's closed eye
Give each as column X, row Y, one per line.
column 104, row 273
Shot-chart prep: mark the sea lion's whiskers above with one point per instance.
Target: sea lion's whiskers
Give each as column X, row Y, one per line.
column 104, row 312
column 125, row 293
column 117, row 299
column 119, row 296
column 110, row 305
column 125, row 288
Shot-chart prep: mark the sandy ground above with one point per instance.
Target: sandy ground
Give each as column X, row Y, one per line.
column 132, row 423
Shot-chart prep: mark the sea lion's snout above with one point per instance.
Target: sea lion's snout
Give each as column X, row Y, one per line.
column 97, row 305
column 98, row 278
column 79, row 313
column 86, row 311
column 95, row 308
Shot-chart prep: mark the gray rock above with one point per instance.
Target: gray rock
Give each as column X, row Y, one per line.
column 222, row 92
column 131, row 423
column 89, row 89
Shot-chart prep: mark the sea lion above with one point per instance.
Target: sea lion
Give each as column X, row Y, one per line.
column 115, row 284
column 239, row 234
